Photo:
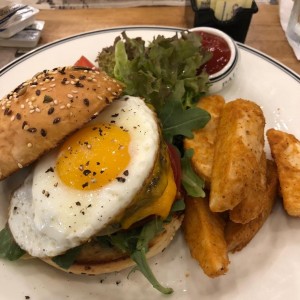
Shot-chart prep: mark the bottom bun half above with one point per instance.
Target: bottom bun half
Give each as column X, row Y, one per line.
column 96, row 259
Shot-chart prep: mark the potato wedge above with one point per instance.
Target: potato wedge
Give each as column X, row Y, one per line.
column 255, row 193
column 285, row 149
column 203, row 141
column 238, row 153
column 239, row 235
column 204, row 233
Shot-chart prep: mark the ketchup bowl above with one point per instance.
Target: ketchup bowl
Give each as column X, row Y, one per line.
column 222, row 67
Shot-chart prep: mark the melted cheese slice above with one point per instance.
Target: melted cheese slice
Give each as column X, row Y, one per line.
column 160, row 207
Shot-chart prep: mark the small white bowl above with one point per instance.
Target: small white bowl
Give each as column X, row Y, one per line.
column 225, row 76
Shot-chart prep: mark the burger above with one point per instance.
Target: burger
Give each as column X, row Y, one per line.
column 100, row 192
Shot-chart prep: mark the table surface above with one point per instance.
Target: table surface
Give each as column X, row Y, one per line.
column 265, row 32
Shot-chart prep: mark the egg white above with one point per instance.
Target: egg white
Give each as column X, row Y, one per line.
column 47, row 217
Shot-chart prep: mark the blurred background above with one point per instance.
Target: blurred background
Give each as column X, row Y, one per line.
column 262, row 24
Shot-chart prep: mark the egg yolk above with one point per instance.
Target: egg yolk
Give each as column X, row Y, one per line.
column 94, row 156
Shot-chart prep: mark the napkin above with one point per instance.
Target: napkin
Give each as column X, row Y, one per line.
column 285, row 8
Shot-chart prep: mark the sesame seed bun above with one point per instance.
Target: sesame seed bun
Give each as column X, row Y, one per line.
column 96, row 259
column 41, row 112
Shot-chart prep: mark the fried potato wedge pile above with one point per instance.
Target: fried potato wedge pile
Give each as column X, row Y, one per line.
column 241, row 184
column 239, row 164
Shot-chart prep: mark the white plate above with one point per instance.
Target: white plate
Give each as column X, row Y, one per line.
column 268, row 268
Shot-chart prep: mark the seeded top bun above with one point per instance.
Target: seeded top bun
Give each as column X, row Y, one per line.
column 42, row 111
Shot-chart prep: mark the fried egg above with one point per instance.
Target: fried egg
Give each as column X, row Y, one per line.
column 76, row 190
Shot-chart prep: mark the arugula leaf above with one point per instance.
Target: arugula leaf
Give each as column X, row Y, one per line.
column 149, row 231
column 139, row 257
column 179, row 121
column 178, row 205
column 9, row 249
column 103, row 241
column 125, row 240
column 193, row 184
column 66, row 260
column 135, row 242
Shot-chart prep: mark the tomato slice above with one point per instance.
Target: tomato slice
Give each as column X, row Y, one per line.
column 84, row 62
column 175, row 164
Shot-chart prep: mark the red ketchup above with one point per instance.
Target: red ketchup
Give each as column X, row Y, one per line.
column 220, row 52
